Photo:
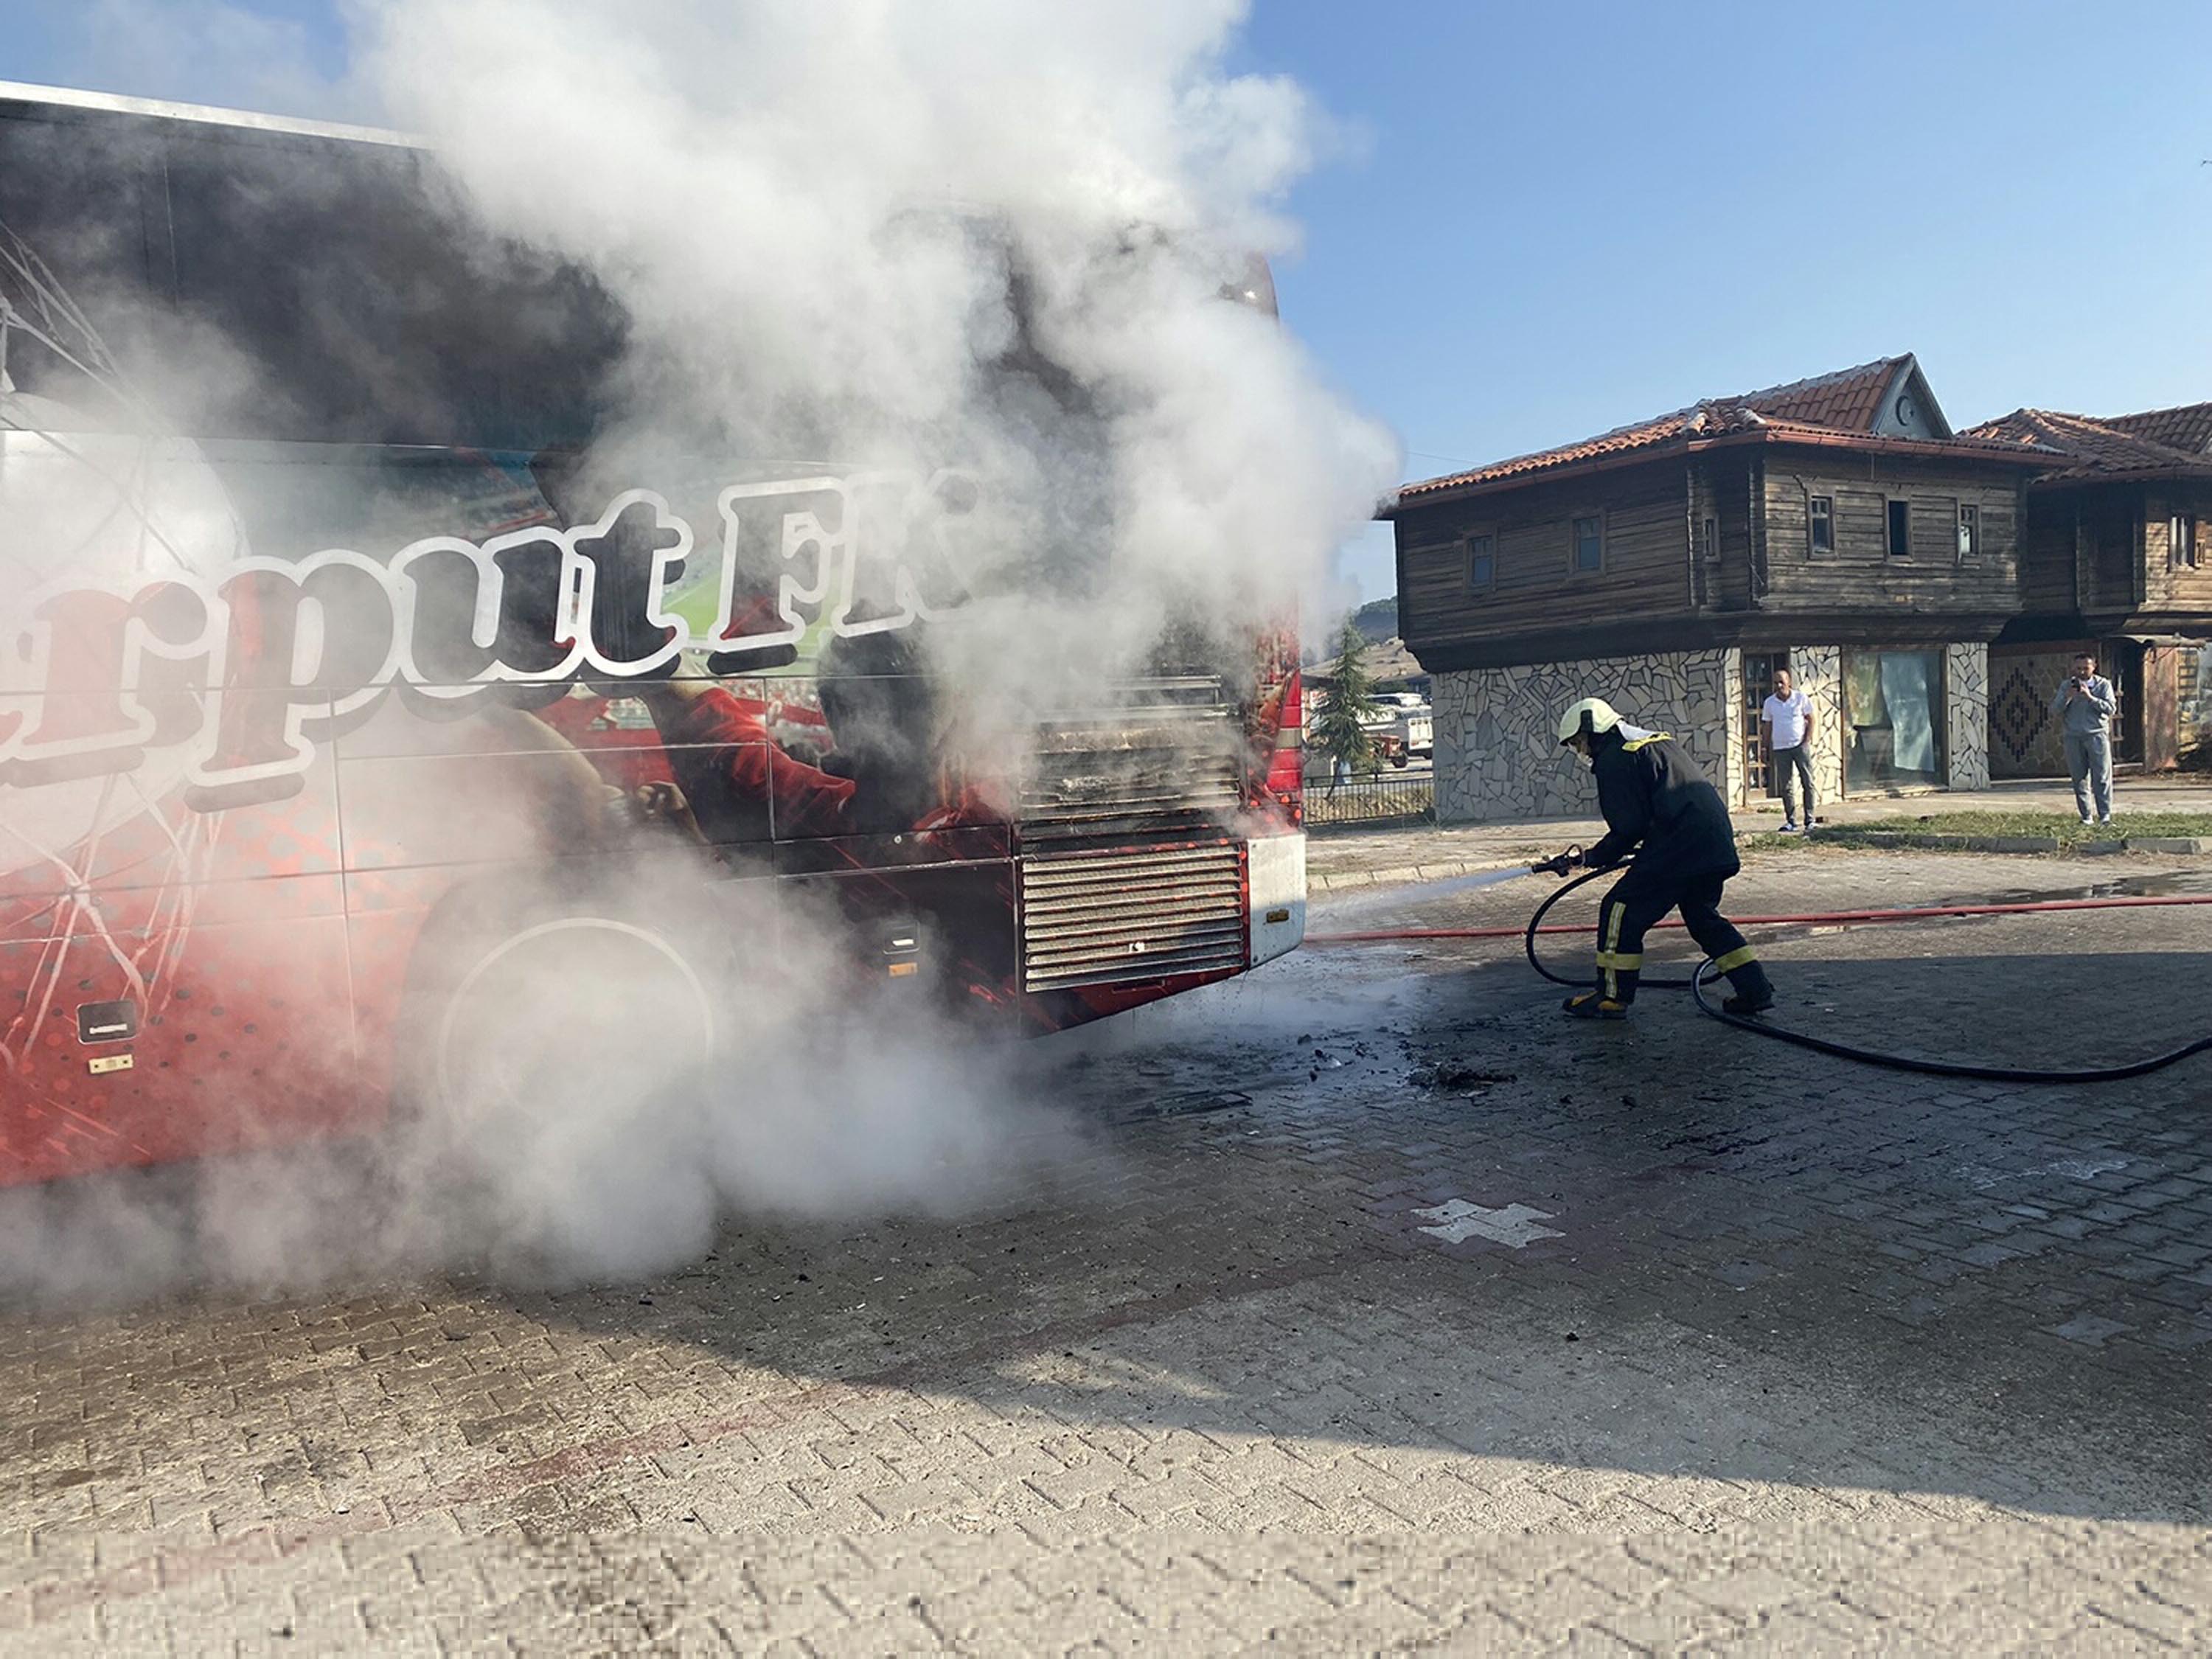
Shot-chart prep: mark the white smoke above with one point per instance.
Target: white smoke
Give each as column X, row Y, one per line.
column 645, row 1108
column 821, row 221
column 810, row 213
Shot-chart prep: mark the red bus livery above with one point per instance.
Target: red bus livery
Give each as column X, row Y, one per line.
column 330, row 709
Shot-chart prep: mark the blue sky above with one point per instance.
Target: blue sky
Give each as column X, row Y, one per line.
column 1550, row 219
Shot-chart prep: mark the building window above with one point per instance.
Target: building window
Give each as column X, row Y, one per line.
column 1589, row 543
column 1893, row 709
column 2181, row 542
column 1481, row 562
column 1900, row 530
column 1970, row 533
column 1820, row 525
column 1713, row 539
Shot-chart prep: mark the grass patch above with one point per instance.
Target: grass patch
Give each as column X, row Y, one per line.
column 2068, row 830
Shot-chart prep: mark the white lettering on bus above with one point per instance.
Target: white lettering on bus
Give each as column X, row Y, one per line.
column 251, row 665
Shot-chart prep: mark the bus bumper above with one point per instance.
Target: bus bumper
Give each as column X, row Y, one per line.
column 1276, row 881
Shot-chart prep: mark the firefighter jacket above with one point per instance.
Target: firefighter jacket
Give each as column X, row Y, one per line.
column 1654, row 796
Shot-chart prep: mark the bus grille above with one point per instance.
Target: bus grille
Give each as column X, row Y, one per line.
column 1165, row 759
column 1126, row 916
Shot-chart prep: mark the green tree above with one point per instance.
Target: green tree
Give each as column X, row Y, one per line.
column 1349, row 699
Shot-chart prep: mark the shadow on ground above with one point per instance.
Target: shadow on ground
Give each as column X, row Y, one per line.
column 1770, row 1268
column 1763, row 1272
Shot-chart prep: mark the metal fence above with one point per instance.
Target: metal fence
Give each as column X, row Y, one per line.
column 1379, row 799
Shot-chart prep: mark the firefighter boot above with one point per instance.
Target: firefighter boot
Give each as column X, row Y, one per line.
column 1615, row 988
column 1754, row 991
column 1594, row 1005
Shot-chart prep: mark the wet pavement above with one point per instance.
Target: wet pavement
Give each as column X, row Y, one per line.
column 1376, row 1308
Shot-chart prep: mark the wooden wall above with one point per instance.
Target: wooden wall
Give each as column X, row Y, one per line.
column 1659, row 568
column 1646, row 511
column 2167, row 588
column 1859, row 575
column 1722, row 491
column 2101, row 551
column 2109, row 559
column 2046, row 555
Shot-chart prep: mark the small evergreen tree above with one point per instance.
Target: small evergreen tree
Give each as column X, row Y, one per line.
column 1349, row 698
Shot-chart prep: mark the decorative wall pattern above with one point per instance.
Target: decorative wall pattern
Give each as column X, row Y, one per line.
column 1966, row 718
column 1496, row 729
column 2025, row 739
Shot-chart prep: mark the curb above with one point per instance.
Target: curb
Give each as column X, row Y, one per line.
column 1343, row 880
column 2044, row 846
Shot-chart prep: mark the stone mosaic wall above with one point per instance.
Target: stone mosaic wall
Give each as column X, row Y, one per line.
column 1497, row 752
column 1723, row 671
column 1498, row 745
column 1966, row 719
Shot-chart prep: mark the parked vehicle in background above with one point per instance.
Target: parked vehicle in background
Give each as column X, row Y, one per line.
column 1387, row 736
column 1411, row 722
column 1399, row 728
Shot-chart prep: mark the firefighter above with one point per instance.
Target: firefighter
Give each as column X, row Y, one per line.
column 1658, row 805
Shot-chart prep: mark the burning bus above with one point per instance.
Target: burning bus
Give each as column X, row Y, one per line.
column 346, row 691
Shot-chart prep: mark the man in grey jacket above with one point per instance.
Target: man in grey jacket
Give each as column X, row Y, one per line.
column 2085, row 703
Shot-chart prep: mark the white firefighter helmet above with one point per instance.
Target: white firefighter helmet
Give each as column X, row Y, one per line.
column 1587, row 718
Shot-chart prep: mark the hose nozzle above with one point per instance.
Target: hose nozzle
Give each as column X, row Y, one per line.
column 1559, row 866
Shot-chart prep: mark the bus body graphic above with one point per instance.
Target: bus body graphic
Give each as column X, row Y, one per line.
column 323, row 709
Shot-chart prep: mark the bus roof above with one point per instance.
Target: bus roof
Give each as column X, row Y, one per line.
column 23, row 97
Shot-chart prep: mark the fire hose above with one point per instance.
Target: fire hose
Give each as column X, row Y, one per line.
column 1706, row 973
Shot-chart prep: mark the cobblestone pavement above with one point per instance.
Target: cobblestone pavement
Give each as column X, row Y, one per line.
column 1409, row 1320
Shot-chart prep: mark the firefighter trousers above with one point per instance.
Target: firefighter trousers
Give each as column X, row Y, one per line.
column 1639, row 901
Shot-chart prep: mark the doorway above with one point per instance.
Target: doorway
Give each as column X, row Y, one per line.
column 1760, row 780
column 2124, row 663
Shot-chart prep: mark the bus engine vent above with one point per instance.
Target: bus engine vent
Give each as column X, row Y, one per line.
column 1165, row 758
column 1130, row 915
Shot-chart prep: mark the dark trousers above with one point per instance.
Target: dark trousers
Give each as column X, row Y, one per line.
column 1642, row 898
column 1794, row 766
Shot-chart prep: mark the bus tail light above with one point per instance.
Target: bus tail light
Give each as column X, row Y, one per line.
column 1286, row 765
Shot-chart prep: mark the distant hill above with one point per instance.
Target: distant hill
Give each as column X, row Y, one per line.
column 1377, row 619
column 1388, row 664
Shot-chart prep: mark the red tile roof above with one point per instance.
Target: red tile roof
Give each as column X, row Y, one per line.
column 1848, row 400
column 1643, row 435
column 2188, row 427
column 1828, row 409
column 2098, row 449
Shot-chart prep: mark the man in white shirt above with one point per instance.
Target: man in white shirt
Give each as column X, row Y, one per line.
column 1785, row 727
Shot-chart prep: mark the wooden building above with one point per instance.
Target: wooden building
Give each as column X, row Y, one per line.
column 2113, row 559
column 1837, row 525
